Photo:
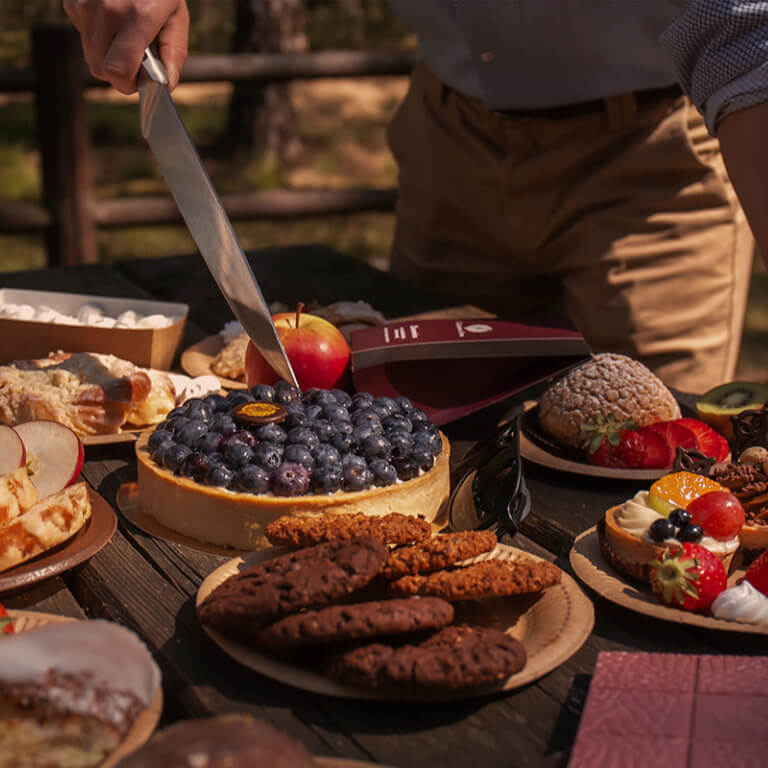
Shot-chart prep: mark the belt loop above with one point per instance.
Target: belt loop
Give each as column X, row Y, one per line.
column 621, row 110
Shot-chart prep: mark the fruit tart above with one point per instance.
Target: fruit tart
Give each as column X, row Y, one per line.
column 220, row 469
column 679, row 507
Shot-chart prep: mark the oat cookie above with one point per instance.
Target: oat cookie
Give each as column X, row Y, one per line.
column 453, row 658
column 492, row 578
column 437, row 552
column 393, row 528
column 357, row 621
column 309, row 578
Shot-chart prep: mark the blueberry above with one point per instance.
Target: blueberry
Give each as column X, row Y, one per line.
column 267, row 455
column 361, row 401
column 290, row 479
column 335, row 412
column 263, row 393
column 196, row 466
column 383, row 472
column 296, row 419
column 238, row 397
column 285, row 393
column 313, row 411
column 295, row 406
column 160, row 449
column 661, row 529
column 342, row 427
column 209, row 442
column 272, row 433
column 198, row 410
column 223, row 423
column 353, row 460
column 368, row 416
column 157, row 437
column 299, row 454
column 407, row 469
column 397, row 423
column 690, row 532
column 252, row 479
column 324, row 397
column 417, row 415
column 423, row 457
column 679, row 517
column 173, row 458
column 341, row 442
column 191, row 434
column 327, row 456
column 220, row 474
column 430, row 440
column 323, row 429
column 304, row 436
column 179, row 410
column 385, row 404
column 342, row 397
column 238, row 455
column 245, row 436
column 217, row 403
column 355, row 478
column 401, row 444
column 404, row 405
column 361, row 433
column 418, row 427
column 176, row 423
column 326, row 479
column 376, row 447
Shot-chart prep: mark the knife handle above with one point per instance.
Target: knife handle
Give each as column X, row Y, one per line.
column 152, row 66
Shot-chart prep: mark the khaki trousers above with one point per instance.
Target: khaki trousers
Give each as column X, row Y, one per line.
column 623, row 218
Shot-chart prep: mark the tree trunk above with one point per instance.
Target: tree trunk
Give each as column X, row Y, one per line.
column 261, row 117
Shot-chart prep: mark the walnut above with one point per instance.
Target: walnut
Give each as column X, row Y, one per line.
column 608, row 385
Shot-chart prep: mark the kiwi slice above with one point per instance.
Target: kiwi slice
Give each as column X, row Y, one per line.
column 716, row 406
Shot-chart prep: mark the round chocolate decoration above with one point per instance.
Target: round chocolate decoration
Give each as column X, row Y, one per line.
column 257, row 413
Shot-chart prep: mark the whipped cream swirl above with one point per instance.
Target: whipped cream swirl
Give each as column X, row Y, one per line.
column 741, row 603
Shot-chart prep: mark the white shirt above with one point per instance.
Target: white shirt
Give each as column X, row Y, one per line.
column 528, row 54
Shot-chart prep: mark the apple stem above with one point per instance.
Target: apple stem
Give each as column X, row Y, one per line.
column 299, row 308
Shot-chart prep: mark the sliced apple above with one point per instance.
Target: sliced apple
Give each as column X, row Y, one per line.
column 54, row 455
column 12, row 453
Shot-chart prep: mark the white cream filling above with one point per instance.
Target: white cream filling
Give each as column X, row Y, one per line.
column 741, row 603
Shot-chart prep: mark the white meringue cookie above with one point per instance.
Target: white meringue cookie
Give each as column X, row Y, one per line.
column 741, row 603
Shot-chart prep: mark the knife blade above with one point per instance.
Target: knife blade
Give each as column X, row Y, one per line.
column 203, row 213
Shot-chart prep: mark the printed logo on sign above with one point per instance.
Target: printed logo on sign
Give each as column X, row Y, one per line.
column 401, row 333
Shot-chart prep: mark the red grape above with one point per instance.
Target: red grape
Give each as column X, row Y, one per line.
column 719, row 514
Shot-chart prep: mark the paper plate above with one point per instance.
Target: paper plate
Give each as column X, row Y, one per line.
column 596, row 572
column 197, row 359
column 538, row 448
column 551, row 625
column 96, row 532
column 145, row 723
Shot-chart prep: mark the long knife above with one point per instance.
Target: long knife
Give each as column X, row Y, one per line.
column 205, row 217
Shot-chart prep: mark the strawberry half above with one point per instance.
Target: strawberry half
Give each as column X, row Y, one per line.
column 6, row 624
column 708, row 441
column 688, row 577
column 757, row 573
column 675, row 434
column 625, row 446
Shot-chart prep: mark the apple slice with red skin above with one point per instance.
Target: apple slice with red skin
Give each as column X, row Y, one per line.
column 54, row 455
column 12, row 452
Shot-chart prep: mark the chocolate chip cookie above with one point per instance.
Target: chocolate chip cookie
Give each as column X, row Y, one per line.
column 356, row 621
column 491, row 578
column 437, row 552
column 456, row 657
column 307, row 578
column 393, row 528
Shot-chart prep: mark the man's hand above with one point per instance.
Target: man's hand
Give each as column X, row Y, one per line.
column 115, row 33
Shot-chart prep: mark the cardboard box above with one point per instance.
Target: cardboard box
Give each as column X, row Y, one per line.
column 148, row 347
column 453, row 367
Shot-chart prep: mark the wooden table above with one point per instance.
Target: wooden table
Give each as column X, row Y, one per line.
column 149, row 585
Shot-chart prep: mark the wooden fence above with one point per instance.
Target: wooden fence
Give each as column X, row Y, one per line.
column 68, row 214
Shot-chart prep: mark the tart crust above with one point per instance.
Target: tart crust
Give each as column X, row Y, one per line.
column 233, row 519
column 630, row 554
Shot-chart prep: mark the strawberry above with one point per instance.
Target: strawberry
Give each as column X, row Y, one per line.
column 688, row 577
column 757, row 573
column 675, row 435
column 6, row 625
column 627, row 447
column 708, row 441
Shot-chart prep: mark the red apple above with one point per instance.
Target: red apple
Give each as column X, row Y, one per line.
column 12, row 454
column 54, row 455
column 319, row 353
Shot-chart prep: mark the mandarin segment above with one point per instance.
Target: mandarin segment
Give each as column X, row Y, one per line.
column 679, row 489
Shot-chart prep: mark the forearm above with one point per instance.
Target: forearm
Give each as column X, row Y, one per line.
column 742, row 136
